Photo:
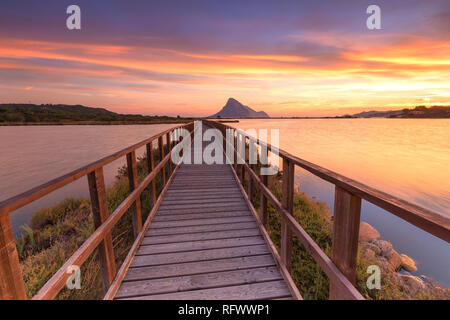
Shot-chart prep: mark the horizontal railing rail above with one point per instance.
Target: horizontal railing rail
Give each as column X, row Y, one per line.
column 341, row 268
column 11, row 281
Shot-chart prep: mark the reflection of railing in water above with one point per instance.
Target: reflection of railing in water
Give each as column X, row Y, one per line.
column 341, row 268
column 11, row 281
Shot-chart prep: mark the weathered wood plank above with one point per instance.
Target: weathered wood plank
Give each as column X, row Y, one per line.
column 196, row 222
column 202, row 255
column 201, row 228
column 254, row 291
column 189, row 216
column 197, row 282
column 201, row 236
column 204, row 204
column 199, row 245
column 239, row 207
column 196, row 267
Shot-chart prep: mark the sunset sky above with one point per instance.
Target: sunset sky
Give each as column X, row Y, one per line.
column 288, row 58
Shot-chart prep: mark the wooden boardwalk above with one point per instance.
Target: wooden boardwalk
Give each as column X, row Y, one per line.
column 203, row 243
column 203, row 239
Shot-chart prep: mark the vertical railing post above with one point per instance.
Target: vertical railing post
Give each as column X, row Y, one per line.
column 347, row 212
column 161, row 153
column 235, row 151
column 288, row 203
column 151, row 167
column 251, row 168
column 263, row 200
column 12, row 286
column 169, row 149
column 100, row 213
column 132, row 178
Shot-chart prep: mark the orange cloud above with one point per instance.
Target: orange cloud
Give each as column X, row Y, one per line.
column 356, row 74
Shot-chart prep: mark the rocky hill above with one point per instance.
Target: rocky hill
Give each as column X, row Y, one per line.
column 235, row 109
column 417, row 112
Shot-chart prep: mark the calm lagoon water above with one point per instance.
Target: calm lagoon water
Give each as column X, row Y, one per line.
column 32, row 155
column 408, row 158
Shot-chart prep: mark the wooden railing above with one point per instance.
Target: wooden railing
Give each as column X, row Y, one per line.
column 341, row 268
column 11, row 281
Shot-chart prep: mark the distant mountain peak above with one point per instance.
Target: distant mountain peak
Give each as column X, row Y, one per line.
column 235, row 109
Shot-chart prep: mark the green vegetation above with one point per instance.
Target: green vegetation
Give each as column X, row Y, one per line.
column 27, row 114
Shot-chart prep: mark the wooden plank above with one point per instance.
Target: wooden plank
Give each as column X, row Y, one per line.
column 204, row 205
column 100, row 213
column 197, row 267
column 203, row 194
column 198, row 282
column 201, row 198
column 239, row 207
column 204, row 213
column 254, row 291
column 205, row 185
column 347, row 212
column 196, row 222
column 202, row 255
column 271, row 246
column 199, row 245
column 201, row 228
column 187, row 216
column 11, row 282
column 200, row 236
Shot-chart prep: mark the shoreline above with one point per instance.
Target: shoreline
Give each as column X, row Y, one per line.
column 90, row 123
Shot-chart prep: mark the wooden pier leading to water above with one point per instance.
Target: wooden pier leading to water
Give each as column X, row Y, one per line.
column 203, row 239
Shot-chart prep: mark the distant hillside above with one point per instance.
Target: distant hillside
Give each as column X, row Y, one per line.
column 70, row 114
column 235, row 109
column 417, row 112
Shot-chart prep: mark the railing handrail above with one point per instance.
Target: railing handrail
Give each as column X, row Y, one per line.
column 35, row 193
column 423, row 218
